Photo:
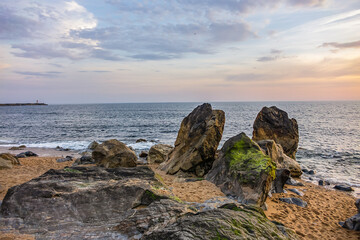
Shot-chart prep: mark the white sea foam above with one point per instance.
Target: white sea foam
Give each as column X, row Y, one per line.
column 74, row 145
column 141, row 145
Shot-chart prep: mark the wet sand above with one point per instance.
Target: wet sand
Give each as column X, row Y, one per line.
column 319, row 220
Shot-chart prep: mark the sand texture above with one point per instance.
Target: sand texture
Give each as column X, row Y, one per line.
column 320, row 219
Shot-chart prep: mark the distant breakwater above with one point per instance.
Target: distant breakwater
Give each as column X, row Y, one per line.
column 21, row 104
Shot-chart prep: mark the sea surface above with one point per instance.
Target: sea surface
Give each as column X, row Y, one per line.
column 329, row 131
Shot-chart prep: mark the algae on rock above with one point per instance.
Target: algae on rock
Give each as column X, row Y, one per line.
column 243, row 170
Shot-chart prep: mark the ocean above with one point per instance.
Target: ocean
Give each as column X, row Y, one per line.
column 329, row 131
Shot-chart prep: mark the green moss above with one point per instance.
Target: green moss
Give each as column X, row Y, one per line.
column 71, row 170
column 175, row 198
column 152, row 195
column 159, row 178
column 249, row 161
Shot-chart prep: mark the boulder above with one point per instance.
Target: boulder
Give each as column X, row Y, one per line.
column 196, row 143
column 5, row 164
column 297, row 201
column 323, row 182
column 274, row 123
column 113, row 153
column 26, row 154
column 353, row 223
column 243, row 170
column 159, row 153
column 276, row 153
column 227, row 222
column 93, row 145
column 282, row 175
column 141, row 140
column 343, row 187
column 21, row 147
column 11, row 158
column 78, row 202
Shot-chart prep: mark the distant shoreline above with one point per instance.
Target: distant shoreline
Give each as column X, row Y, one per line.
column 21, row 104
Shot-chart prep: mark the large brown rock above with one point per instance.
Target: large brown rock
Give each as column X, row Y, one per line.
column 198, row 138
column 242, row 170
column 159, row 153
column 274, row 123
column 276, row 153
column 7, row 161
column 113, row 153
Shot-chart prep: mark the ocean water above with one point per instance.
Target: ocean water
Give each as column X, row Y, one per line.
column 329, row 131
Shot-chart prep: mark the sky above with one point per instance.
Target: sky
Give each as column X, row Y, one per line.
column 111, row 51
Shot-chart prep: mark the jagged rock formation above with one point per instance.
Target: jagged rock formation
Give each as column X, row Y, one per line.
column 120, row 203
column 113, row 153
column 242, row 170
column 227, row 222
column 196, row 143
column 274, row 123
column 159, row 153
column 276, row 153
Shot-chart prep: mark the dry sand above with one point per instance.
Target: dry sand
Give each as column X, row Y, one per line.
column 319, row 220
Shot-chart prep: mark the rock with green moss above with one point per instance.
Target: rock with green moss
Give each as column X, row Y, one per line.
column 276, row 153
column 243, row 170
column 228, row 222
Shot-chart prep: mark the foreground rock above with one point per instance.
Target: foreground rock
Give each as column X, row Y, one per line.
column 243, row 171
column 277, row 154
column 120, row 203
column 228, row 222
column 113, row 153
column 197, row 141
column 92, row 199
column 353, row 223
column 345, row 188
column 159, row 153
column 274, row 123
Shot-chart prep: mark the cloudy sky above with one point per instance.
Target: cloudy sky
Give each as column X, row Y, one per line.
column 102, row 51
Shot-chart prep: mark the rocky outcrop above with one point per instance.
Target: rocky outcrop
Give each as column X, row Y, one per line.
column 353, row 223
column 276, row 153
column 273, row 123
column 228, row 222
column 113, row 153
column 21, row 147
column 120, row 203
column 196, row 143
column 159, row 153
column 242, row 170
column 7, row 161
column 78, row 202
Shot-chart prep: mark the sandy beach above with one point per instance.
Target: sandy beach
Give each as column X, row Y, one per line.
column 319, row 220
